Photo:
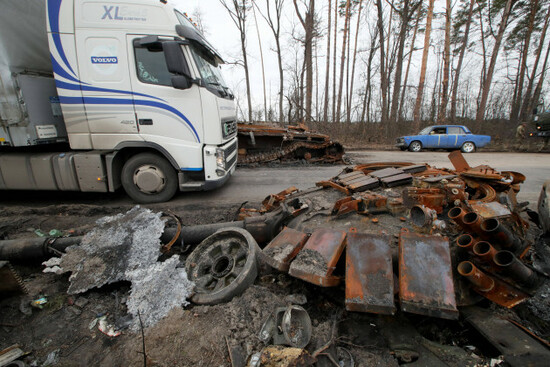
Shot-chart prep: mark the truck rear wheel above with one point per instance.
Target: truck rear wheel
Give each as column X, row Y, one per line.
column 149, row 178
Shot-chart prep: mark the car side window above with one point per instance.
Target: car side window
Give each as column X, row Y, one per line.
column 455, row 130
column 151, row 67
column 439, row 131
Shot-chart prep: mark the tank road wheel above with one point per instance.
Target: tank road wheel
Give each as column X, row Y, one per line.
column 415, row 146
column 222, row 266
column 468, row 147
column 149, row 178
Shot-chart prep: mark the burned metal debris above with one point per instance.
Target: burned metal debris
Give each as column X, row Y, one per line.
column 127, row 247
column 266, row 143
column 472, row 233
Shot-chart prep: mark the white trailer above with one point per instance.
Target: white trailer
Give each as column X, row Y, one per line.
column 95, row 95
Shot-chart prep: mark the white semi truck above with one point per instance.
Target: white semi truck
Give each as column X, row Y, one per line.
column 95, row 95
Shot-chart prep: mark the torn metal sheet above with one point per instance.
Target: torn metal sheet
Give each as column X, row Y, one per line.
column 127, row 247
column 369, row 274
column 284, row 248
column 10, row 281
column 425, row 276
column 458, row 161
column 317, row 260
column 518, row 348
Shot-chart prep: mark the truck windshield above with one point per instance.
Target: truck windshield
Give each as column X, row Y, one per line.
column 210, row 73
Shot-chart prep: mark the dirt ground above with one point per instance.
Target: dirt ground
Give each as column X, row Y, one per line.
column 65, row 332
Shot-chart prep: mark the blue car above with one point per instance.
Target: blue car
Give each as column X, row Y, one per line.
column 449, row 137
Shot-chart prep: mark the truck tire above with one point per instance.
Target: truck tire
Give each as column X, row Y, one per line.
column 149, row 178
column 415, row 146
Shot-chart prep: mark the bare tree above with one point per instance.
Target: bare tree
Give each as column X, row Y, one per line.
column 446, row 65
column 383, row 75
column 421, row 82
column 327, row 70
column 334, row 61
column 411, row 51
column 261, row 59
column 490, row 71
column 350, row 95
column 342, row 59
column 238, row 10
column 463, row 47
column 527, row 98
column 308, row 22
column 273, row 19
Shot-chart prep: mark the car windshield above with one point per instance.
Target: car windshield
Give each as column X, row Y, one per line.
column 425, row 130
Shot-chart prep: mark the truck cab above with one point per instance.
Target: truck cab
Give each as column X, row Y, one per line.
column 136, row 93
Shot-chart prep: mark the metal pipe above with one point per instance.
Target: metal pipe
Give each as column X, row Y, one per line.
column 35, row 248
column 465, row 242
column 472, row 221
column 484, row 251
column 499, row 234
column 513, row 267
column 479, row 279
column 457, row 215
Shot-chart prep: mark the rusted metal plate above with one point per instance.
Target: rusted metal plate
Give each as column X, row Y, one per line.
column 489, row 210
column 317, row 260
column 517, row 347
column 415, row 168
column 369, row 274
column 397, row 180
column 283, row 248
column 433, row 198
column 425, row 276
column 386, row 172
column 458, row 161
column 351, row 175
column 363, row 184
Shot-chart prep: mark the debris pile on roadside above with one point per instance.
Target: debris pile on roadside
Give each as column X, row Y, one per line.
column 268, row 143
column 387, row 263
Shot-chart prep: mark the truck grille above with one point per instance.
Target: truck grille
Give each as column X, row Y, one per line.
column 229, row 128
column 229, row 163
column 230, row 149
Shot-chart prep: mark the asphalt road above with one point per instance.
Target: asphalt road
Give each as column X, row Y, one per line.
column 254, row 184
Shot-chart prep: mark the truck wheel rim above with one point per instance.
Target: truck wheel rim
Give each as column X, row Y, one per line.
column 149, row 179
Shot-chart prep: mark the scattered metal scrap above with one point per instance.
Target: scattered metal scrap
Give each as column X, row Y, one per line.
column 10, row 281
column 488, row 242
column 287, row 326
column 264, row 143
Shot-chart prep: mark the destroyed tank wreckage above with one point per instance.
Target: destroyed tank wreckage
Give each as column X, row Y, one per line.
column 266, row 143
column 395, row 236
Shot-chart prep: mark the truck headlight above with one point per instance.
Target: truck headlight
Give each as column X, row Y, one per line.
column 220, row 158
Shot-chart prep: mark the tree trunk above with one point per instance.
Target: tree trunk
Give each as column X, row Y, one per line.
column 342, row 59
column 334, row 61
column 489, row 76
column 460, row 60
column 327, row 69
column 309, row 27
column 526, row 99
column 354, row 60
column 383, row 76
column 446, row 66
column 262, row 61
column 405, row 82
column 514, row 115
column 421, row 82
column 536, row 96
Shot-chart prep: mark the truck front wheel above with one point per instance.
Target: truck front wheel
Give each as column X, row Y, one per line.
column 149, row 178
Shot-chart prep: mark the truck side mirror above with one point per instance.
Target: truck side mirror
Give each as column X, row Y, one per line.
column 174, row 58
column 180, row 82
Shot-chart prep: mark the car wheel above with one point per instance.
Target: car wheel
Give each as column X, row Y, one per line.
column 415, row 146
column 149, row 178
column 468, row 147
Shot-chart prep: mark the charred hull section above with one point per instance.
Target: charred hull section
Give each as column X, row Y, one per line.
column 264, row 144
